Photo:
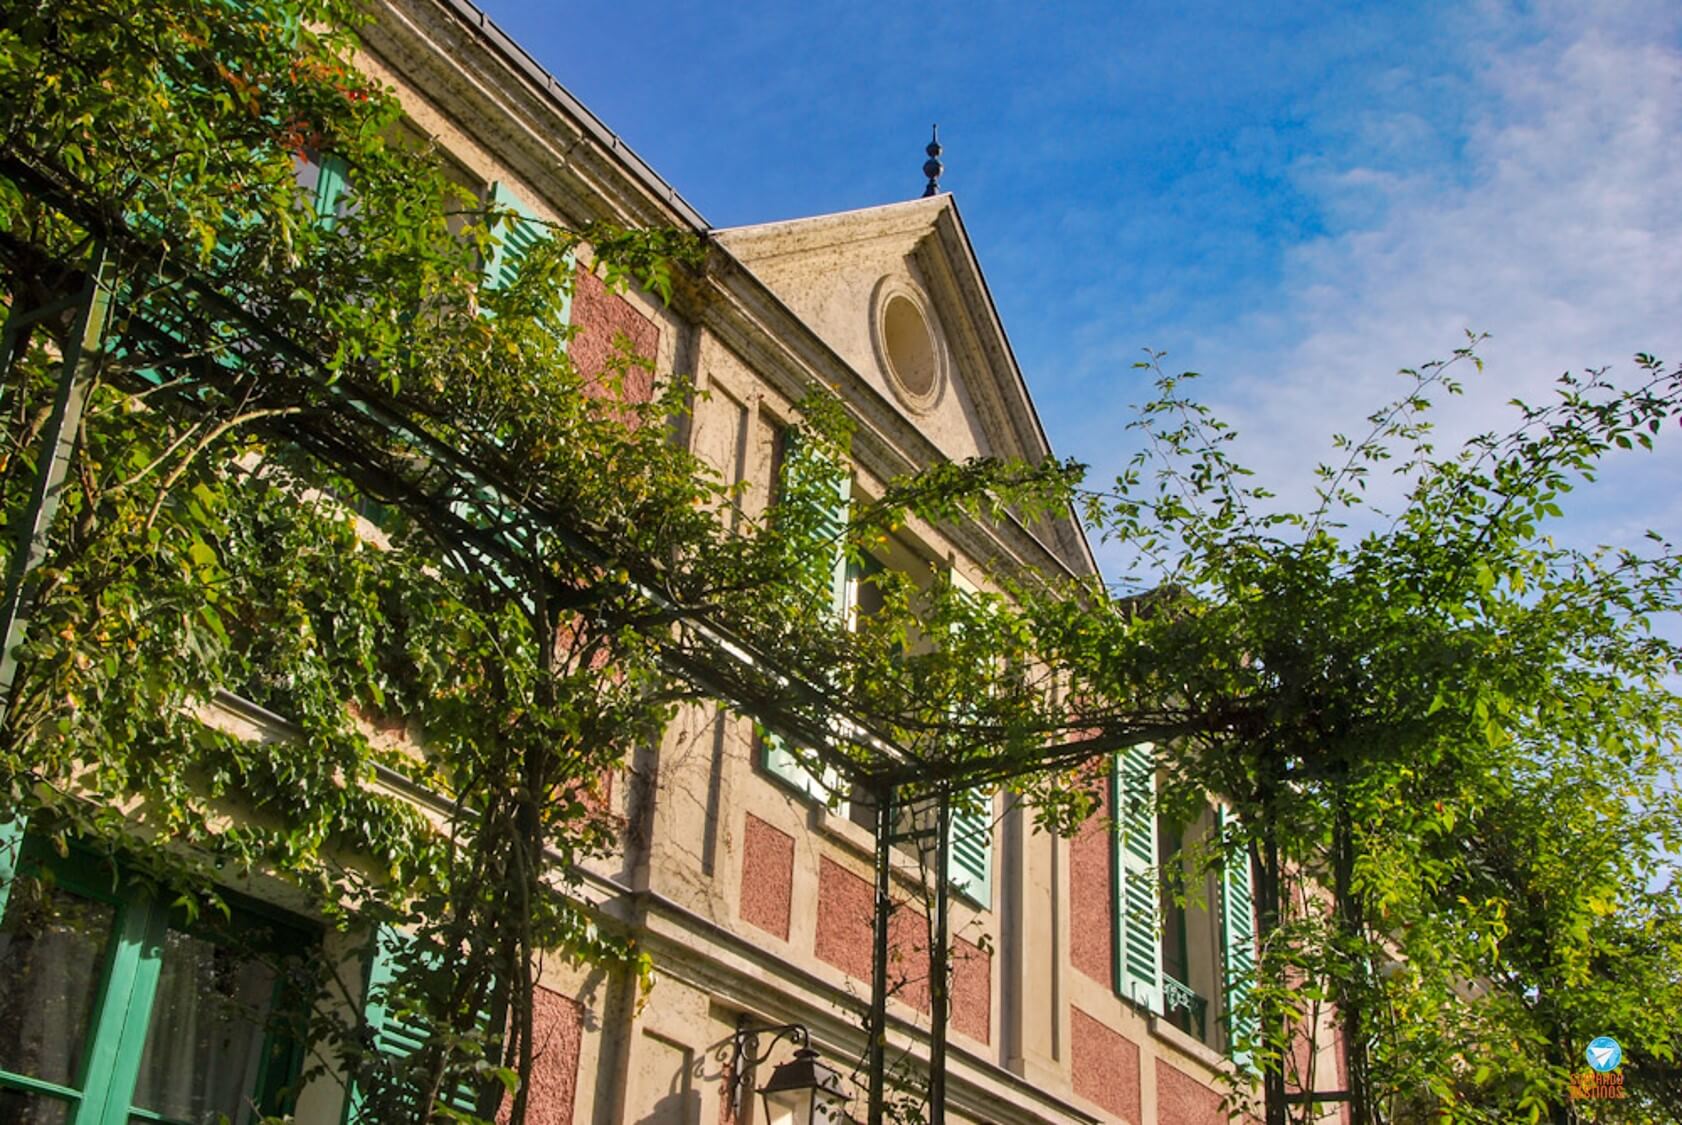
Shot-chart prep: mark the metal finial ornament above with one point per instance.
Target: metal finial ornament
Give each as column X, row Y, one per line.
column 932, row 167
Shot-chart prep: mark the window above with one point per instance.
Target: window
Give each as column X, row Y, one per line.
column 1189, row 910
column 854, row 596
column 114, row 1008
column 1184, row 932
column 484, row 510
column 1183, row 1005
column 969, row 866
column 829, row 528
column 322, row 179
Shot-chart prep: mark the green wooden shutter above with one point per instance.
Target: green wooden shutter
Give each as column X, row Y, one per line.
column 843, row 588
column 1238, row 946
column 11, row 847
column 969, row 864
column 330, row 186
column 1138, row 950
column 515, row 241
column 830, row 530
column 843, row 595
column 131, row 988
column 777, row 760
column 397, row 1036
column 970, row 861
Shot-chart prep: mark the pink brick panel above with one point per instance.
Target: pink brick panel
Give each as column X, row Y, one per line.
column 908, row 955
column 602, row 318
column 1090, row 932
column 767, row 876
column 972, row 990
column 1106, row 1068
column 845, row 907
column 1184, row 1100
column 557, row 1029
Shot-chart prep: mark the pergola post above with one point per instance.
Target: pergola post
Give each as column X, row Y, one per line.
column 82, row 354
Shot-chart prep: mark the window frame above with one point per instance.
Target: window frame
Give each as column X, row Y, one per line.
column 126, row 990
column 771, row 755
column 1230, row 913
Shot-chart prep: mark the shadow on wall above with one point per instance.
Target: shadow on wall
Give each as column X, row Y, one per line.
column 679, row 1107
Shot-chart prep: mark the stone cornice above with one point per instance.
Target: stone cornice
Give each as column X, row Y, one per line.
column 495, row 92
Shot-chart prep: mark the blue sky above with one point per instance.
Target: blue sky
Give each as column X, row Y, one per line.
column 1296, row 199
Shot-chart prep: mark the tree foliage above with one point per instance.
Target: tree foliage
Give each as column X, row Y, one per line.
column 1450, row 738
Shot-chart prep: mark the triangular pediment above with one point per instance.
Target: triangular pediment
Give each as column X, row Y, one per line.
column 896, row 292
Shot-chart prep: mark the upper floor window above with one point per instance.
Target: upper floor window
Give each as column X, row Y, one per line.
column 855, row 595
column 322, row 180
column 1184, row 928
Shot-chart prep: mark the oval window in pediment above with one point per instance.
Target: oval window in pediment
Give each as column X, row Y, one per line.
column 907, row 345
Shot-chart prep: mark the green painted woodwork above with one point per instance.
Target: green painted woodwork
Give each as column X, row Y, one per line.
column 127, row 986
column 330, row 187
column 1238, row 949
column 120, row 1029
column 398, row 1034
column 522, row 233
column 843, row 585
column 970, row 859
column 11, row 843
column 1137, row 945
column 969, row 864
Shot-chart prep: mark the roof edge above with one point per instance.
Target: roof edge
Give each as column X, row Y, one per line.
column 522, row 61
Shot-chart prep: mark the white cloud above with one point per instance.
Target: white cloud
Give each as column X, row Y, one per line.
column 1560, row 234
column 1558, row 231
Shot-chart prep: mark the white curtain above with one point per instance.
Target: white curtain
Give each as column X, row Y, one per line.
column 204, row 1043
column 52, row 951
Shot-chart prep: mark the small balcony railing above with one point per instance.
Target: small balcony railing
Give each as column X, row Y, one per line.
column 1184, row 1008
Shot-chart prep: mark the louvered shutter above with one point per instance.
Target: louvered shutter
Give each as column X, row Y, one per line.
column 11, row 848
column 330, row 185
column 842, row 582
column 397, row 1036
column 842, row 586
column 1238, row 947
column 515, row 240
column 1138, row 950
column 970, row 860
column 830, row 529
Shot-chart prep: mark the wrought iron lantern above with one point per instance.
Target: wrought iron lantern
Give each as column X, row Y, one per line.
column 801, row 1091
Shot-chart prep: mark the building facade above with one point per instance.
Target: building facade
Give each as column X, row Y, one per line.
column 1071, row 1001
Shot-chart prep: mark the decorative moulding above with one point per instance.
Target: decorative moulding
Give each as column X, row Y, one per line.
column 908, row 348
